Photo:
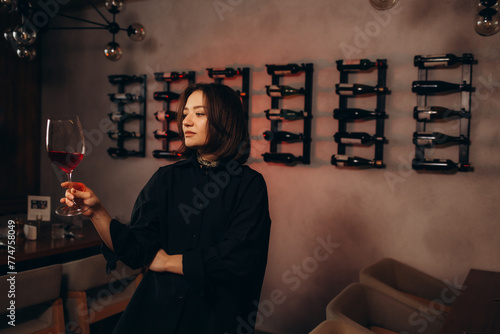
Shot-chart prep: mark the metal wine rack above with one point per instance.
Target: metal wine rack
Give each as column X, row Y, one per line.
column 420, row 162
column 166, row 151
column 378, row 160
column 278, row 71
column 220, row 74
column 122, row 116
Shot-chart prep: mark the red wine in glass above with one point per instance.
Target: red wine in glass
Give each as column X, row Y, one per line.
column 66, row 147
column 65, row 161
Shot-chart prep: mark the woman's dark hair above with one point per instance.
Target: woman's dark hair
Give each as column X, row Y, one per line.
column 227, row 136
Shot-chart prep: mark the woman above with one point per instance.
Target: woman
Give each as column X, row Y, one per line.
column 201, row 226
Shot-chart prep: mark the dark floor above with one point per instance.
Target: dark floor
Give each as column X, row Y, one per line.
column 106, row 326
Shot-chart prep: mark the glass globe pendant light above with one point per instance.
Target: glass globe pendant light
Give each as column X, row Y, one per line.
column 113, row 51
column 136, row 32
column 114, row 6
column 9, row 35
column 24, row 35
column 26, row 52
column 383, row 4
column 8, row 5
column 487, row 21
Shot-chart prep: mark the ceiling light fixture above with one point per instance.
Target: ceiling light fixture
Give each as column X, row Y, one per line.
column 23, row 36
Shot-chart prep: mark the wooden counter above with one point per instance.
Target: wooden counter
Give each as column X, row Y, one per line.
column 30, row 254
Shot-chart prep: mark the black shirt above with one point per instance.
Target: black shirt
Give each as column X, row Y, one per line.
column 218, row 218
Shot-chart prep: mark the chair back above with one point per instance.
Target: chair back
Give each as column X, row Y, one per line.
column 38, row 305
column 362, row 305
column 31, row 287
column 405, row 283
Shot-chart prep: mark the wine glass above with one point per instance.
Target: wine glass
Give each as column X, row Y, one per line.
column 66, row 147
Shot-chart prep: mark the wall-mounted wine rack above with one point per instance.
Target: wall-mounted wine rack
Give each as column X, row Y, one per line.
column 344, row 114
column 219, row 74
column 167, row 116
column 424, row 114
column 122, row 116
column 277, row 115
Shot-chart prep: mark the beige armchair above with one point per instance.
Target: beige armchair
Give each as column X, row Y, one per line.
column 408, row 285
column 38, row 306
column 91, row 295
column 371, row 311
column 338, row 327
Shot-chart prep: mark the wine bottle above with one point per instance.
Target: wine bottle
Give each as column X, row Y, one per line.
column 122, row 135
column 356, row 138
column 290, row 115
column 165, row 96
column 123, row 79
column 358, row 89
column 286, row 158
column 219, row 73
column 124, row 98
column 284, row 69
column 356, row 64
column 353, row 113
column 430, row 139
column 283, row 91
column 158, row 154
column 281, row 136
column 438, row 87
column 164, row 116
column 173, row 76
column 165, row 134
column 345, row 161
column 123, row 116
column 434, row 164
column 441, row 60
column 116, row 152
column 430, row 113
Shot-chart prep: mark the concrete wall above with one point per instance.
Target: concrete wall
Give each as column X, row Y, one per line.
column 328, row 223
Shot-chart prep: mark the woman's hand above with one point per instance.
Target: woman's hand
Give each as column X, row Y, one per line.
column 164, row 262
column 159, row 262
column 83, row 196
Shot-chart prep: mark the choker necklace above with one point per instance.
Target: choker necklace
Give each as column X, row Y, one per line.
column 205, row 163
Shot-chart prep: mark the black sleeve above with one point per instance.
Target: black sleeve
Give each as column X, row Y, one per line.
column 137, row 244
column 243, row 250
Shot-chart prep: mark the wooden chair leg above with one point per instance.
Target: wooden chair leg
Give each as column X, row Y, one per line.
column 57, row 326
column 79, row 302
column 84, row 317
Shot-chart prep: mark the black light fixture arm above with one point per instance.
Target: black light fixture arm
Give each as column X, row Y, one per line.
column 104, row 26
column 99, row 12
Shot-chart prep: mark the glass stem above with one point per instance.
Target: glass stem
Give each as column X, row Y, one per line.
column 70, row 186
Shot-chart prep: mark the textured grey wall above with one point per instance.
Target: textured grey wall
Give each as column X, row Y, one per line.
column 327, row 223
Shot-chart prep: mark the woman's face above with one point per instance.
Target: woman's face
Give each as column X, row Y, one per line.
column 195, row 121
